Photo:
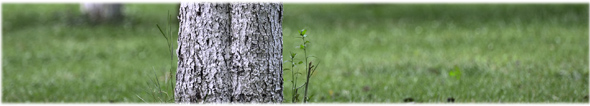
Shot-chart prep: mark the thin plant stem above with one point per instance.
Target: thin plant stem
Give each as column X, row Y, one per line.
column 307, row 70
column 294, row 80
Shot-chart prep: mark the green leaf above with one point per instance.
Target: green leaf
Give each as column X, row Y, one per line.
column 300, row 62
column 301, row 46
column 293, row 55
column 286, row 69
column 297, row 97
column 311, row 96
column 306, row 42
column 302, row 32
column 455, row 73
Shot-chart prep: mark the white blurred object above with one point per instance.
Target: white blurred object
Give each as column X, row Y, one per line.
column 99, row 12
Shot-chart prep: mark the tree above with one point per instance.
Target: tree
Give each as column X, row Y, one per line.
column 229, row 52
column 101, row 12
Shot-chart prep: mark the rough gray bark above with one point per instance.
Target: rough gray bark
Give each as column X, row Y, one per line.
column 230, row 53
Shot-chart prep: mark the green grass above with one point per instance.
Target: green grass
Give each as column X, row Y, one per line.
column 508, row 53
column 370, row 52
column 56, row 62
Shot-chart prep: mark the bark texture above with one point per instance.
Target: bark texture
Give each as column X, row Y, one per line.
column 229, row 52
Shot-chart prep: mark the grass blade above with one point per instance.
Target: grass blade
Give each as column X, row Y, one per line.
column 162, row 32
column 140, row 98
column 157, row 83
column 151, row 89
column 316, row 66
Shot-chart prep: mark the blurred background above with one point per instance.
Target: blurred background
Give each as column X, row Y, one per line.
column 369, row 53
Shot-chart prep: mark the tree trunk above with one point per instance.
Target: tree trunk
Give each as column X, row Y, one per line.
column 102, row 12
column 230, row 53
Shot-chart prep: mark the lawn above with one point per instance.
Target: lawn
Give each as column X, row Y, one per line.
column 369, row 53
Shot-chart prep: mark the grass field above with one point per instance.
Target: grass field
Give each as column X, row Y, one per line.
column 369, row 53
